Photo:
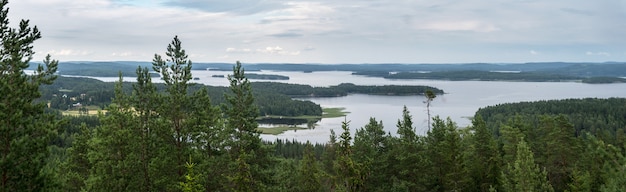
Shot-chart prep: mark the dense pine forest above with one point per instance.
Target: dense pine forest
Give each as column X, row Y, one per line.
column 175, row 136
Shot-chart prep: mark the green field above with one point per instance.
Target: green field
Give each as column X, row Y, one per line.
column 278, row 130
column 92, row 110
column 334, row 112
column 327, row 113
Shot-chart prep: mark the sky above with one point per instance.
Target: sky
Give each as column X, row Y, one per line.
column 330, row 31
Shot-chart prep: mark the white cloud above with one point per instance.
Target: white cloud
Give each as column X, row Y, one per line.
column 267, row 50
column 340, row 31
column 123, row 54
column 598, row 53
column 474, row 26
column 68, row 52
column 277, row 50
column 235, row 50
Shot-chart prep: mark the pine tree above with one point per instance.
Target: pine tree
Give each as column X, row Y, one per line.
column 175, row 71
column 430, row 96
column 308, row 172
column 25, row 130
column 350, row 174
column 370, row 150
column 244, row 140
column 483, row 158
column 443, row 147
column 328, row 162
column 144, row 101
column 405, row 127
column 112, row 154
column 524, row 174
column 407, row 157
column 561, row 150
column 241, row 178
column 75, row 169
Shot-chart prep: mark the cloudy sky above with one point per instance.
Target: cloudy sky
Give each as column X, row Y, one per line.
column 330, row 31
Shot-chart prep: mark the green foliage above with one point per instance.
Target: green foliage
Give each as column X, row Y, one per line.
column 191, row 179
column 370, row 150
column 242, row 137
column 484, row 76
column 523, row 174
column 308, row 172
column 483, row 156
column 350, row 174
column 241, row 179
column 444, row 150
column 25, row 130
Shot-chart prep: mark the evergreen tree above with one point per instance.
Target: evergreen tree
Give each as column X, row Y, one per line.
column 241, row 178
column 25, row 130
column 350, row 174
column 328, row 162
column 191, row 179
column 483, row 157
column 112, row 154
column 561, row 150
column 75, row 169
column 175, row 71
column 145, row 101
column 408, row 162
column 406, row 131
column 244, row 140
column 524, row 174
column 370, row 150
column 430, row 96
column 509, row 139
column 308, row 173
column 443, row 147
column 581, row 181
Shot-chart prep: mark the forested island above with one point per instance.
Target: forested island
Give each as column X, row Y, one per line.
column 594, row 73
column 266, row 76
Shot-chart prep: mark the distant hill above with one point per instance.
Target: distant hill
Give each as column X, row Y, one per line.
column 579, row 70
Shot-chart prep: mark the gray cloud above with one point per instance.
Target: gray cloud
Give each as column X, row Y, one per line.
column 286, row 35
column 241, row 7
column 345, row 31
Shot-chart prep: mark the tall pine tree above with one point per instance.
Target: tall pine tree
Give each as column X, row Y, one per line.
column 25, row 130
column 524, row 174
column 245, row 145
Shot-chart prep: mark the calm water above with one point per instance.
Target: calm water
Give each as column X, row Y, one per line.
column 461, row 100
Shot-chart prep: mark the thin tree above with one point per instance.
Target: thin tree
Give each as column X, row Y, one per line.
column 430, row 96
column 175, row 71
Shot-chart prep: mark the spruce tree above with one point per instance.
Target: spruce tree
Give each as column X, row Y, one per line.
column 308, row 172
column 245, row 145
column 112, row 151
column 145, row 100
column 407, row 157
column 370, row 150
column 524, row 174
column 25, row 130
column 350, row 174
column 75, row 169
column 443, row 145
column 484, row 158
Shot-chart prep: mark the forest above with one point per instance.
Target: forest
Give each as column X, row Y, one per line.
column 272, row 98
column 174, row 137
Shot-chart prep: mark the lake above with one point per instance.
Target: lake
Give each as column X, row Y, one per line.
column 462, row 99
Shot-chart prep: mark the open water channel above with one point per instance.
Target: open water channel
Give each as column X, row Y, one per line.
column 462, row 99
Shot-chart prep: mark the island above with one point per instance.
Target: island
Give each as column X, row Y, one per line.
column 266, row 76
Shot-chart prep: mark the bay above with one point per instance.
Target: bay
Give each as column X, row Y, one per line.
column 462, row 99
